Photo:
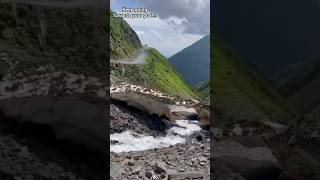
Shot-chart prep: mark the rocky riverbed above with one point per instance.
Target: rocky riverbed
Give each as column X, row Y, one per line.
column 145, row 146
column 31, row 152
column 241, row 152
column 180, row 161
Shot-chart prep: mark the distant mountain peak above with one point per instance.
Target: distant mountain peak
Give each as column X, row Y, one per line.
column 193, row 62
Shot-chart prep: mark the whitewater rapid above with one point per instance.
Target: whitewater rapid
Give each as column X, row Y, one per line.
column 127, row 141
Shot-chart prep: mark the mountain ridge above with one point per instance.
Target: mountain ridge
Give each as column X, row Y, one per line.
column 156, row 73
column 276, row 33
column 301, row 90
column 193, row 62
column 239, row 93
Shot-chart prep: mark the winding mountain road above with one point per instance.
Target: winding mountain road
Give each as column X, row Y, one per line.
column 139, row 58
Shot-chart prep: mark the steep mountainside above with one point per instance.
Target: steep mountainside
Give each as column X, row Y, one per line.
column 193, row 62
column 53, row 61
column 123, row 40
column 31, row 36
column 270, row 34
column 156, row 72
column 238, row 92
column 204, row 91
column 302, row 90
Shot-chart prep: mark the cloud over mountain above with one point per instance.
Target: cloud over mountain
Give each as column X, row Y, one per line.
column 195, row 13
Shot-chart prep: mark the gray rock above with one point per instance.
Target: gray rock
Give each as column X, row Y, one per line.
column 148, row 174
column 160, row 168
column 115, row 170
column 297, row 149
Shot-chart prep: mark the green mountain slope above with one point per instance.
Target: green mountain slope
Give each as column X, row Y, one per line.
column 123, row 40
column 157, row 74
column 193, row 62
column 67, row 39
column 238, row 92
column 302, row 90
column 204, row 91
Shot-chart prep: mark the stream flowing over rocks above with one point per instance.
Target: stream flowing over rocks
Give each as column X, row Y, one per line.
column 146, row 144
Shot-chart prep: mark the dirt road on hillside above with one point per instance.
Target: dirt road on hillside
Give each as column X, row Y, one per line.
column 139, row 58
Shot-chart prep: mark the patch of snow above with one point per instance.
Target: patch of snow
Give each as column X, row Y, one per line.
column 176, row 108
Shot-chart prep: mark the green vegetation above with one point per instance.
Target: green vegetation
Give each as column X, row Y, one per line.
column 67, row 39
column 123, row 40
column 238, row 92
column 204, row 91
column 157, row 74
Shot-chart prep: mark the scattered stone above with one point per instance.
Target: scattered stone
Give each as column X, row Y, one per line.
column 217, row 133
column 237, row 131
column 160, row 168
column 131, row 163
column 148, row 174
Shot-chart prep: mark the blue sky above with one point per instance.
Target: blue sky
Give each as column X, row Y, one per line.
column 117, row 5
column 179, row 24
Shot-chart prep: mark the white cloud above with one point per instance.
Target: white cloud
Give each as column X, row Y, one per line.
column 167, row 36
column 179, row 24
column 169, row 43
column 196, row 13
column 148, row 23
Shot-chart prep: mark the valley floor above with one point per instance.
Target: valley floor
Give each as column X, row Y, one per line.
column 145, row 146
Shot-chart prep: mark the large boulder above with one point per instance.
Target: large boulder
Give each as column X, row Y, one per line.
column 298, row 149
column 161, row 106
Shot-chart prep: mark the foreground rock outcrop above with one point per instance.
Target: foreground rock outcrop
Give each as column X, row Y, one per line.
column 154, row 102
column 298, row 149
column 241, row 151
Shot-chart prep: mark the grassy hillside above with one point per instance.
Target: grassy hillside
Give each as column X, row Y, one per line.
column 123, row 40
column 238, row 92
column 204, row 91
column 157, row 73
column 68, row 39
column 302, row 90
